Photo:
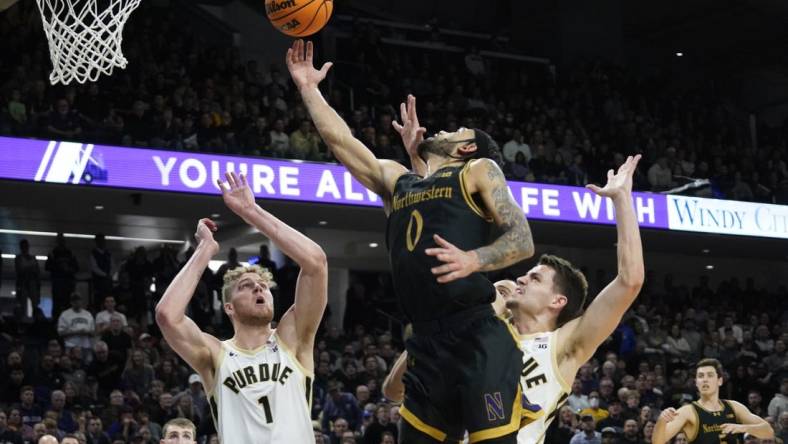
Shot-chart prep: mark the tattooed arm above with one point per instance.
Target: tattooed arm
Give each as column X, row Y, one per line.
column 514, row 245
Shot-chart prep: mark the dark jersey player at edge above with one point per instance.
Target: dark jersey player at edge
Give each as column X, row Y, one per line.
column 463, row 361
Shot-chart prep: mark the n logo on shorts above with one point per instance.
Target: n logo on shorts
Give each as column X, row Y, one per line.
column 494, row 405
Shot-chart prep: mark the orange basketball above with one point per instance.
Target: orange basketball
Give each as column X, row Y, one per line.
column 299, row 18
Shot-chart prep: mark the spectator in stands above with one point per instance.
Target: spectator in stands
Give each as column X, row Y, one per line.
column 594, row 408
column 676, row 345
column 340, row 405
column 564, row 427
column 196, row 392
column 587, row 433
column 516, row 145
column 15, row 382
column 138, row 375
column 165, row 410
column 65, row 418
column 31, row 412
column 148, row 348
column 28, row 278
column 280, row 142
column 615, row 417
column 62, row 267
column 340, row 426
column 106, row 368
column 101, row 268
column 16, row 424
column 631, row 432
column 374, row 433
column 116, row 337
column 8, row 436
column 660, row 176
column 154, row 429
column 125, row 427
column 755, row 403
column 95, row 433
column 104, row 317
column 304, row 142
column 76, row 326
column 779, row 403
column 138, row 124
column 577, row 399
column 63, row 123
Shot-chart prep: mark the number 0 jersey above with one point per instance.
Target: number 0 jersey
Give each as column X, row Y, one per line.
column 421, row 207
column 261, row 396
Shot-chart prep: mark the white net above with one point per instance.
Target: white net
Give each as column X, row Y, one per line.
column 84, row 38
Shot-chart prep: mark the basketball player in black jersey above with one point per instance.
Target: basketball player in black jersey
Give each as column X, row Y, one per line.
column 710, row 420
column 463, row 360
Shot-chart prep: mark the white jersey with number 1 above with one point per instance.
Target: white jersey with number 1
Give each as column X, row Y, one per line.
column 544, row 389
column 261, row 396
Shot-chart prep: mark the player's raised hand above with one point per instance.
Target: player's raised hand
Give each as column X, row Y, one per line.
column 236, row 193
column 301, row 66
column 669, row 414
column 204, row 233
column 457, row 263
column 619, row 183
column 410, row 130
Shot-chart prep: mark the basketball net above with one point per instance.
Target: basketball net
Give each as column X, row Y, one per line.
column 84, row 42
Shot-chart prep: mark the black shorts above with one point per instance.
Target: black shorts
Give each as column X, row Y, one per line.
column 463, row 374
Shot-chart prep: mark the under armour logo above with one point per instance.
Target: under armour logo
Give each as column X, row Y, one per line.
column 232, row 354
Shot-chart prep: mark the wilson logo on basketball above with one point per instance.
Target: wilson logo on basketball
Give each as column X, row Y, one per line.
column 292, row 24
column 274, row 6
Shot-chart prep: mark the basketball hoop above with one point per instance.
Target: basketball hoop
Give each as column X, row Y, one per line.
column 84, row 41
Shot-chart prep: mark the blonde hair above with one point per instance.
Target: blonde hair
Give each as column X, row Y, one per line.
column 182, row 423
column 232, row 277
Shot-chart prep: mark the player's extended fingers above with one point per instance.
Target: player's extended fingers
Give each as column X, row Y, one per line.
column 412, row 109
column 446, row 278
column 397, row 126
column 446, row 268
column 209, row 223
column 594, row 188
column 403, row 113
column 231, row 179
column 310, row 51
column 443, row 242
column 222, row 186
column 243, row 179
column 435, row 251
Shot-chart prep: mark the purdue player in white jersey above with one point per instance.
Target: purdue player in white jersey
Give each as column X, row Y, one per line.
column 546, row 311
column 259, row 382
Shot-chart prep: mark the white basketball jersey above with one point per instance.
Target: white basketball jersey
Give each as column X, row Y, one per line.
column 544, row 389
column 262, row 396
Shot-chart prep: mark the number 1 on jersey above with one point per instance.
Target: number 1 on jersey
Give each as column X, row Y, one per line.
column 263, row 401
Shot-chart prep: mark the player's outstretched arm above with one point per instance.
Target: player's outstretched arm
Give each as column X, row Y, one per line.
column 299, row 325
column 581, row 337
column 669, row 424
column 377, row 175
column 393, row 388
column 750, row 423
column 180, row 332
column 513, row 245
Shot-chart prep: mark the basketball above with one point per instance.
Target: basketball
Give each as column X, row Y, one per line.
column 299, row 18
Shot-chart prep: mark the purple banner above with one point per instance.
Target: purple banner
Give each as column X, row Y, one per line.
column 106, row 166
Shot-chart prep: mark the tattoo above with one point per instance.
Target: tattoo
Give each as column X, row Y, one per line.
column 516, row 243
